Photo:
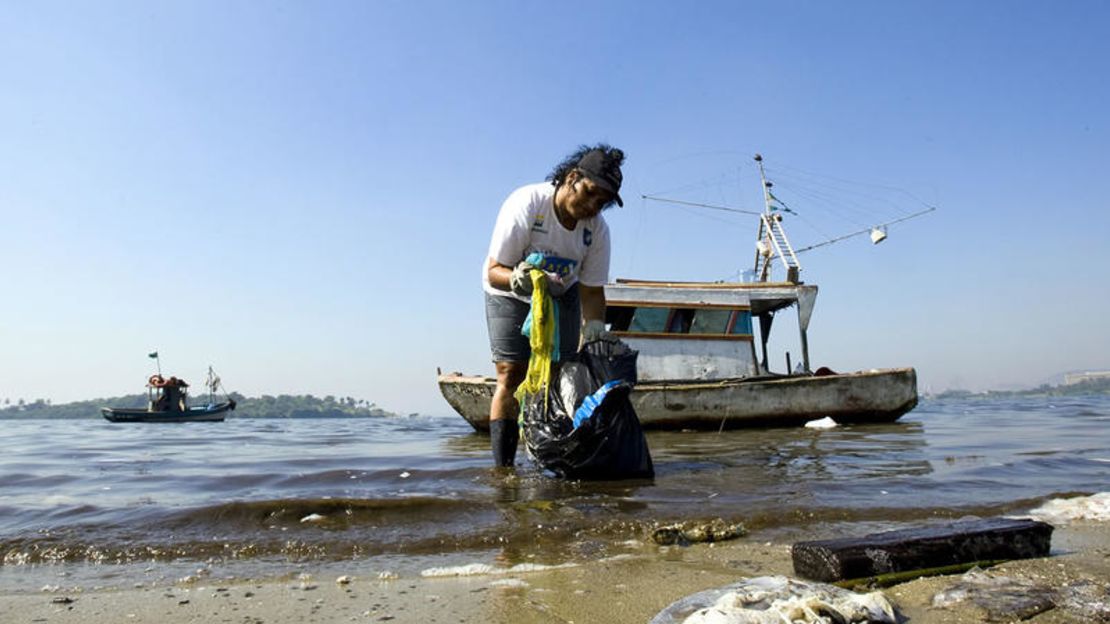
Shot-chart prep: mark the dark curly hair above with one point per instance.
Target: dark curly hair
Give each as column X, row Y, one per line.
column 559, row 173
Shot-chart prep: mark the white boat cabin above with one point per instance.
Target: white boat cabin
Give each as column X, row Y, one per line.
column 702, row 331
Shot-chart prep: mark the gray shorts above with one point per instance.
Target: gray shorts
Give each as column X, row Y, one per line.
column 505, row 316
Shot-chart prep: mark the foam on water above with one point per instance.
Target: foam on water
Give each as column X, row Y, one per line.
column 1064, row 510
column 484, row 569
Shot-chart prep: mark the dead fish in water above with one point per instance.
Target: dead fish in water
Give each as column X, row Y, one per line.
column 697, row 532
column 777, row 599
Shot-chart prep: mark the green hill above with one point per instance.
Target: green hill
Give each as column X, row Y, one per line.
column 1089, row 386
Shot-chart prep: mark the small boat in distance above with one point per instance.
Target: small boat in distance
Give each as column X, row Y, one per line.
column 168, row 402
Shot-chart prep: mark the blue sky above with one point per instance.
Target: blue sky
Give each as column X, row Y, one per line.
column 301, row 194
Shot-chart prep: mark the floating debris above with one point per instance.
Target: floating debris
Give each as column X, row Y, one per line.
column 821, row 423
column 314, row 517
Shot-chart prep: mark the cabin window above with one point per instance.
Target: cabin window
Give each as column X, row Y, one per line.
column 743, row 323
column 653, row 320
column 658, row 321
column 680, row 321
column 710, row 321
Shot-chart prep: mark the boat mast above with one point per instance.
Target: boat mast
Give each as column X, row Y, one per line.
column 771, row 241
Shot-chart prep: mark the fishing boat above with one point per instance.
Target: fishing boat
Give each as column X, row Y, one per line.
column 698, row 364
column 168, row 402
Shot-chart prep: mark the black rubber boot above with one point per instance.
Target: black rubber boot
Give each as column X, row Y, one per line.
column 503, row 436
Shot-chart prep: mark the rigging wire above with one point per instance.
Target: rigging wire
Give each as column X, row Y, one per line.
column 841, row 196
column 802, row 172
column 818, row 198
column 819, row 191
column 700, row 205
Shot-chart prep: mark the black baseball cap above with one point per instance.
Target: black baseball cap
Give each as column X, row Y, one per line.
column 604, row 169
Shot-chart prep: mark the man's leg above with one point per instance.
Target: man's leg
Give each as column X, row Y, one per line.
column 510, row 350
column 503, row 410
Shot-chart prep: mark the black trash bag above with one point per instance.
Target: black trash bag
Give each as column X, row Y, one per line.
column 593, row 388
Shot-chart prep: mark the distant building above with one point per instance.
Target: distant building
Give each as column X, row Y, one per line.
column 1074, row 378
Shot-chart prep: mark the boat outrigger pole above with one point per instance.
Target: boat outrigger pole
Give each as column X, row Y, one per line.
column 877, row 232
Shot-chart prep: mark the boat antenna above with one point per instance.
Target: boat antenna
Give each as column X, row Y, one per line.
column 213, row 383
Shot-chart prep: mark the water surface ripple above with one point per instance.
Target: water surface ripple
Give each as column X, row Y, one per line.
column 88, row 492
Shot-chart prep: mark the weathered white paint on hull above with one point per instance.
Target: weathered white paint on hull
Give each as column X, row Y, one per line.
column 868, row 396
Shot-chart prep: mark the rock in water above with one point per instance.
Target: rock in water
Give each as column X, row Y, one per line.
column 1010, row 599
column 777, row 599
column 921, row 548
column 696, row 532
column 1002, row 599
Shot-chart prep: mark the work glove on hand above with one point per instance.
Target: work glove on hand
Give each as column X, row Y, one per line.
column 595, row 330
column 521, row 281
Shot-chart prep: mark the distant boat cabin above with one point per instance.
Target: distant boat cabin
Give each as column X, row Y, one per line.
column 167, row 394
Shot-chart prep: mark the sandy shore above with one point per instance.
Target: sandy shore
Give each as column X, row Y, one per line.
column 628, row 588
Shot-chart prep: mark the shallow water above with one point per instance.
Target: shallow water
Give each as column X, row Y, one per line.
column 92, row 502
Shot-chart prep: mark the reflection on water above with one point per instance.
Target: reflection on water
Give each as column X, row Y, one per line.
column 259, row 491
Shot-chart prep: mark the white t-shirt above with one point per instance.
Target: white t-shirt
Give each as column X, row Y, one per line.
column 527, row 223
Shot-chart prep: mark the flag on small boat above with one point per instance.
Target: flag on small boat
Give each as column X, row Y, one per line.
column 152, row 355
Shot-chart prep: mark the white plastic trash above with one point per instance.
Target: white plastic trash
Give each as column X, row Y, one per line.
column 822, row 423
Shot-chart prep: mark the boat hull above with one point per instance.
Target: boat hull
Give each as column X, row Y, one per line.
column 861, row 397
column 213, row 413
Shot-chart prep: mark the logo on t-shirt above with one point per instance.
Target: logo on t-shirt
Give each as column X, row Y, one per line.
column 587, row 236
column 537, row 225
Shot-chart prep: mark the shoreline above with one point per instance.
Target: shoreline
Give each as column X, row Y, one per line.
column 625, row 588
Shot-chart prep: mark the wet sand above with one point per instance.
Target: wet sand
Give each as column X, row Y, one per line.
column 628, row 588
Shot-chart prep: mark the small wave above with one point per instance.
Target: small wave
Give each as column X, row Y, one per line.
column 1094, row 508
column 335, row 512
column 484, row 569
column 511, row 583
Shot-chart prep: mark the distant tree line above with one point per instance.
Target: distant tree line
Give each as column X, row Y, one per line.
column 1088, row 386
column 265, row 406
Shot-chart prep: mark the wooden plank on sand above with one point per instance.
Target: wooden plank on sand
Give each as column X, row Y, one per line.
column 919, row 548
